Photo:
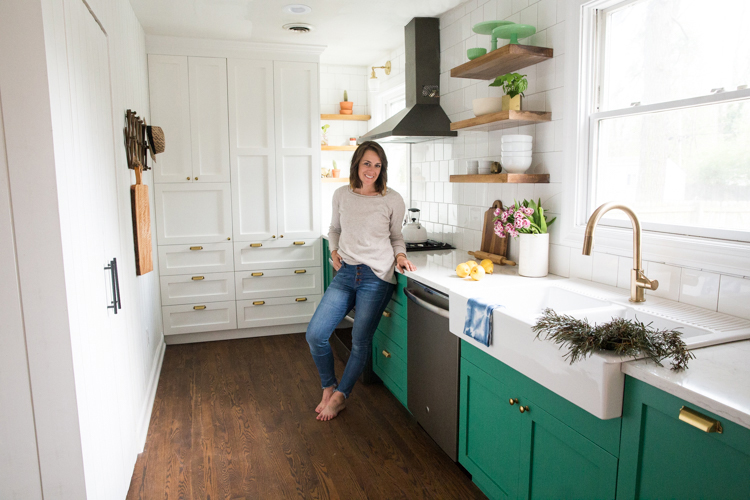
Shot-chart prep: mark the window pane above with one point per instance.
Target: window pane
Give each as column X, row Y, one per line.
column 664, row 50
column 683, row 167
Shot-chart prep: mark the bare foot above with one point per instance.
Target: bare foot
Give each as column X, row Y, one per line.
column 336, row 403
column 327, row 393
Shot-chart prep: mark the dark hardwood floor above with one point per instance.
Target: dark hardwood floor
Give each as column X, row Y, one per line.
column 235, row 420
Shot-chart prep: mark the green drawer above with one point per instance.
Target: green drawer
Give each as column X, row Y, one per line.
column 389, row 365
column 393, row 325
column 398, row 303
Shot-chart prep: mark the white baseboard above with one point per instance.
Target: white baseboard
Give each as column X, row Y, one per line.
column 148, row 402
column 242, row 333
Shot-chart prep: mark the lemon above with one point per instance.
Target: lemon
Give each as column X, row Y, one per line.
column 463, row 270
column 488, row 265
column 472, row 264
column 477, row 273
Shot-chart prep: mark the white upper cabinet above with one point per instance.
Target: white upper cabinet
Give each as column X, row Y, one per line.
column 208, row 119
column 251, row 149
column 170, row 110
column 193, row 213
column 297, row 149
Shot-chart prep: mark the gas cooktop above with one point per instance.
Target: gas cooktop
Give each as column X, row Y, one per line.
column 428, row 245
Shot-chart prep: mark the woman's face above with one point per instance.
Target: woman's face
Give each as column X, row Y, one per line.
column 369, row 168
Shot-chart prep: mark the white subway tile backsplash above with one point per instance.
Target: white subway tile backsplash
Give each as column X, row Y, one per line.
column 429, row 193
column 469, row 194
column 581, row 266
column 504, row 9
column 556, row 37
column 448, row 192
column 699, row 288
column 439, row 192
column 463, row 216
column 490, row 10
column 443, row 213
column 453, row 214
column 545, row 137
column 625, row 264
column 669, row 280
column 604, row 269
column 529, row 16
column 546, row 14
column 559, row 260
column 734, row 296
column 434, row 170
column 518, row 6
column 476, row 218
column 545, row 75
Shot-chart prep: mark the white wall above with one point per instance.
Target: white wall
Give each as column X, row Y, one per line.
column 455, row 211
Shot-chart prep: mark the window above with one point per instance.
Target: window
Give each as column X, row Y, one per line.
column 669, row 120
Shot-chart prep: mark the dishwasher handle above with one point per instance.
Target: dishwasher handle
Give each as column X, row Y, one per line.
column 426, row 305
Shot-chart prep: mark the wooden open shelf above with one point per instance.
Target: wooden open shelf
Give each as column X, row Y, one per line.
column 358, row 118
column 505, row 59
column 502, row 178
column 338, row 148
column 334, row 179
column 503, row 119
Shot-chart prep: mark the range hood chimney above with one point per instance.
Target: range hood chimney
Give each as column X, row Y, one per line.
column 423, row 119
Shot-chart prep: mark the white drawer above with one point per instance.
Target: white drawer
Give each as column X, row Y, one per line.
column 276, row 254
column 187, row 213
column 202, row 317
column 278, row 283
column 196, row 259
column 277, row 311
column 189, row 289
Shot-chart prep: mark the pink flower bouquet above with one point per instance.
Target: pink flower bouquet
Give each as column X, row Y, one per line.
column 526, row 217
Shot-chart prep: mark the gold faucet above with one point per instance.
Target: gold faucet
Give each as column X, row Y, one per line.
column 638, row 280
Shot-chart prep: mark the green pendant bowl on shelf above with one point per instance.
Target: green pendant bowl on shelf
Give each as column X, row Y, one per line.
column 475, row 52
column 513, row 32
column 488, row 28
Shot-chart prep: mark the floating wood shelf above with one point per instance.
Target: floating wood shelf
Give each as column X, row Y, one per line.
column 503, row 178
column 338, row 148
column 503, row 119
column 505, row 59
column 334, row 179
column 358, row 118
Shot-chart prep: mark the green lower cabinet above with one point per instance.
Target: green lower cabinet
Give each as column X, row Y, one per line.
column 529, row 454
column 327, row 267
column 664, row 457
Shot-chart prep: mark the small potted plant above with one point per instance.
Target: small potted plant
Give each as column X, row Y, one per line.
column 526, row 220
column 324, row 137
column 335, row 172
column 514, row 85
column 346, row 105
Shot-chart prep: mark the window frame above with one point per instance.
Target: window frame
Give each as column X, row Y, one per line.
column 714, row 250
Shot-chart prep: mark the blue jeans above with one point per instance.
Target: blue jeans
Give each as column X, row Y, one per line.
column 353, row 286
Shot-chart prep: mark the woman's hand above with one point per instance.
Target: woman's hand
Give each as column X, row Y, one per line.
column 404, row 264
column 336, row 259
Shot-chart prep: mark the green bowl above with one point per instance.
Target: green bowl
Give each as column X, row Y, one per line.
column 475, row 52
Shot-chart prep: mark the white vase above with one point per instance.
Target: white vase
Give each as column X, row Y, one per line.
column 533, row 255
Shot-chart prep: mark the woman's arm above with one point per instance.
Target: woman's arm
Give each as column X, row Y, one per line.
column 334, row 232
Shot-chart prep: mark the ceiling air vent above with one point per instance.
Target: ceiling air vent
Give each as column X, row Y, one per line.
column 299, row 28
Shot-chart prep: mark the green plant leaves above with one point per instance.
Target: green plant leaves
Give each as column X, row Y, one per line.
column 512, row 84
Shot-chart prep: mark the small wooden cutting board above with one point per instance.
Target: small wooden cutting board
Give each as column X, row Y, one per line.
column 141, row 226
column 492, row 243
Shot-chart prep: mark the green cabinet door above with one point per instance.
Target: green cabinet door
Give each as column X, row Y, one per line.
column 327, row 267
column 558, row 462
column 488, row 439
column 664, row 457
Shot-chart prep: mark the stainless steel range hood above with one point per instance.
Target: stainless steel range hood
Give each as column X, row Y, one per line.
column 423, row 119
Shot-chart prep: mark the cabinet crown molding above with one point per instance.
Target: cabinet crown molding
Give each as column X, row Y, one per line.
column 205, row 47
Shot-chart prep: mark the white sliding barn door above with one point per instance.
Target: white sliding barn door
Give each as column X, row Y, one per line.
column 93, row 240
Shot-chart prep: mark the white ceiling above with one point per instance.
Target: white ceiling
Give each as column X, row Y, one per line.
column 355, row 32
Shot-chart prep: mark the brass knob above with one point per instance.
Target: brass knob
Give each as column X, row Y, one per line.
column 281, row 236
column 524, row 409
column 513, row 401
column 188, row 178
column 229, row 238
column 386, row 314
column 386, row 354
column 196, row 178
column 273, row 236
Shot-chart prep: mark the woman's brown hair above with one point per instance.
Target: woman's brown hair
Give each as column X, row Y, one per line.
column 382, row 180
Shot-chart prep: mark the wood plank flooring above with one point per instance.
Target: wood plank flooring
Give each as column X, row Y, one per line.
column 235, row 420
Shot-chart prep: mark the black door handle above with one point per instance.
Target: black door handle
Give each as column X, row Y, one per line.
column 116, row 303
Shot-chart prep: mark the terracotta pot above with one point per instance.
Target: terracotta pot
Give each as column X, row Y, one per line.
column 345, row 112
column 513, row 104
column 346, row 105
column 335, row 173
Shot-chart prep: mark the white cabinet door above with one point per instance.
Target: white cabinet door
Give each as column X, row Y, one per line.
column 278, row 283
column 208, row 119
column 205, row 317
column 297, row 254
column 276, row 311
column 296, row 101
column 193, row 213
column 251, row 149
column 196, row 259
column 170, row 110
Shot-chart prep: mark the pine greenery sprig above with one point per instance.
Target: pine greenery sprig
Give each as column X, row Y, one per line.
column 622, row 336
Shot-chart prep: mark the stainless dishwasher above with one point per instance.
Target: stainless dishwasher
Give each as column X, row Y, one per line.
column 433, row 358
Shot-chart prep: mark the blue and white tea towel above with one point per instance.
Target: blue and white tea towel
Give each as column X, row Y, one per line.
column 479, row 319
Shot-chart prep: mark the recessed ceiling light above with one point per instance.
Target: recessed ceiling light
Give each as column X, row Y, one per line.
column 299, row 28
column 297, row 9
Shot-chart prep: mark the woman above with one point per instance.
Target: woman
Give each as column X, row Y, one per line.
column 365, row 242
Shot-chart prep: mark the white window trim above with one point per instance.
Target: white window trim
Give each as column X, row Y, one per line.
column 732, row 257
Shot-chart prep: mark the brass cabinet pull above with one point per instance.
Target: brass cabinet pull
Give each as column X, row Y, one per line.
column 300, row 271
column 524, row 409
column 199, row 308
column 256, row 274
column 188, row 178
column 301, row 299
column 196, row 178
column 196, row 248
column 700, row 421
column 298, row 242
column 259, row 302
column 197, row 278
column 386, row 314
column 513, row 401
column 256, row 245
column 386, row 353
column 281, row 236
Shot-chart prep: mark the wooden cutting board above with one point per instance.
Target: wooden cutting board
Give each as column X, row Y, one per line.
column 492, row 243
column 141, row 226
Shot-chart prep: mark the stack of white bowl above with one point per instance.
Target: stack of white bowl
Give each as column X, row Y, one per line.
column 515, row 153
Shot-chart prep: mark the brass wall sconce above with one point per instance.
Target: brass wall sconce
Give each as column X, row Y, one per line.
column 387, row 69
